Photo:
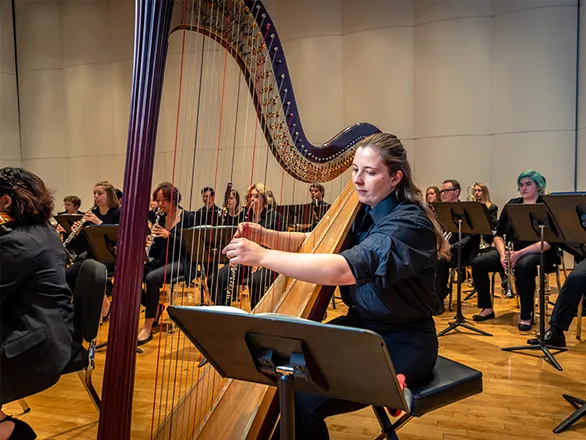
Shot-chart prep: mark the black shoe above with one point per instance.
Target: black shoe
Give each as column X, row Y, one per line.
column 440, row 310
column 144, row 341
column 22, row 430
column 524, row 327
column 553, row 337
column 480, row 318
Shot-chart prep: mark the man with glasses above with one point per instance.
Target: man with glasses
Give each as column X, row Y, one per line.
column 450, row 192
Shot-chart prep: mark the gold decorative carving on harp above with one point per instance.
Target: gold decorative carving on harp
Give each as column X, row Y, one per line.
column 190, row 401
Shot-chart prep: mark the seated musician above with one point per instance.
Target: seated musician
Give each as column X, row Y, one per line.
column 36, row 313
column 482, row 195
column 566, row 306
column 169, row 256
column 233, row 213
column 432, row 194
column 71, row 205
column 260, row 211
column 386, row 276
column 106, row 210
column 524, row 260
column 319, row 206
column 450, row 192
column 209, row 214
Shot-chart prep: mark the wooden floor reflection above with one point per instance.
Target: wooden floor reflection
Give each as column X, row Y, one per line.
column 521, row 398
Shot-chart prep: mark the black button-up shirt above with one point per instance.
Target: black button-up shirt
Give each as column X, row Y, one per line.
column 392, row 258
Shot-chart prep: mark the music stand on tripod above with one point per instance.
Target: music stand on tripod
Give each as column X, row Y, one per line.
column 102, row 240
column 468, row 218
column 294, row 354
column 67, row 220
column 205, row 244
column 536, row 223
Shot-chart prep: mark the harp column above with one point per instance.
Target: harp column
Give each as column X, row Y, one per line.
column 152, row 21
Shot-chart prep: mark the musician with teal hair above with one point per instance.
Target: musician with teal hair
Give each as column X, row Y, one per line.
column 524, row 258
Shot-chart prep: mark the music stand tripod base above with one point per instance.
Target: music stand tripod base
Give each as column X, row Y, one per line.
column 544, row 348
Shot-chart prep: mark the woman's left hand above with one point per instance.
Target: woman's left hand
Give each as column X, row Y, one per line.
column 243, row 251
column 159, row 231
column 92, row 218
column 515, row 257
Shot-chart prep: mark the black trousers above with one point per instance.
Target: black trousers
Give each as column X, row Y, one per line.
column 154, row 279
column 72, row 272
column 569, row 298
column 525, row 272
column 258, row 282
column 413, row 354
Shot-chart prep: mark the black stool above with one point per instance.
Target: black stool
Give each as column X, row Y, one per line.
column 451, row 383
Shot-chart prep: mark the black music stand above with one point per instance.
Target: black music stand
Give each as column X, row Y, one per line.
column 569, row 210
column 469, row 218
column 67, row 220
column 103, row 240
column 205, row 243
column 536, row 223
column 295, row 355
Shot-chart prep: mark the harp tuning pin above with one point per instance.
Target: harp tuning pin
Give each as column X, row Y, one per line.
column 282, row 76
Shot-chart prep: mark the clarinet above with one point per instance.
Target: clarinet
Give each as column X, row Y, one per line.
column 74, row 232
column 151, row 238
column 231, row 282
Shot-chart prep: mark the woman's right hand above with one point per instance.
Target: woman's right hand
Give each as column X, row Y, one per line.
column 251, row 231
column 504, row 261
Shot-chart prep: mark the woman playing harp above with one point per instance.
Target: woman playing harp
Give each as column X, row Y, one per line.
column 386, row 276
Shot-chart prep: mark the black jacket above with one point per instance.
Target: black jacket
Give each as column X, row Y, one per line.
column 36, row 313
column 393, row 259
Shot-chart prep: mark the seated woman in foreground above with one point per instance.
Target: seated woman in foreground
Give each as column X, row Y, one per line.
column 36, row 313
column 386, row 276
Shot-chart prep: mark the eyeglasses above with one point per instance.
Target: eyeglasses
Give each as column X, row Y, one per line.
column 443, row 191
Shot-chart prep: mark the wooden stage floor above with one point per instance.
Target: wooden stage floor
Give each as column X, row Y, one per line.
column 521, row 399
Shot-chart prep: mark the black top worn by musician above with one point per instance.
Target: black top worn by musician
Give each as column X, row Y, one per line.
column 393, row 260
column 233, row 220
column 36, row 313
column 166, row 251
column 205, row 216
column 505, row 227
column 269, row 219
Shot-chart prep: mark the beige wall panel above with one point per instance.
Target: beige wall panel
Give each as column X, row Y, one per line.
column 84, row 172
column 85, row 31
column 452, row 78
column 121, row 30
column 506, row 6
column 581, row 147
column 55, row 174
column 462, row 158
column 549, row 153
column 42, row 113
column 6, row 39
column 88, row 110
column 120, row 87
column 9, row 133
column 315, row 65
column 378, row 79
column 534, row 70
column 365, row 15
column 38, row 35
column 307, row 19
column 427, row 11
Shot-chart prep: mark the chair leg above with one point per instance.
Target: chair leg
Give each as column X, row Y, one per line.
column 579, row 316
column 24, row 405
column 86, row 379
column 388, row 431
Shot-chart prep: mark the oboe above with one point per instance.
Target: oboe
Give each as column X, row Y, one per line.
column 151, row 237
column 74, row 232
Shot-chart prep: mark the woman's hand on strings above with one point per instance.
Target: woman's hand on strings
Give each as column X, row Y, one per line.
column 244, row 251
column 90, row 217
column 159, row 231
column 250, row 231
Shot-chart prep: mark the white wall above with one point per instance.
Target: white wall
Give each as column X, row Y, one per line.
column 9, row 126
column 478, row 90
column 581, row 153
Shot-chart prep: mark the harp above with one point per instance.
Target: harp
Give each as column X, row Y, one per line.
column 208, row 406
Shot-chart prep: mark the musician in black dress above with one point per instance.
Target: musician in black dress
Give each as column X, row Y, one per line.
column 168, row 256
column 36, row 313
column 386, row 277
column 482, row 195
column 233, row 213
column 106, row 211
column 260, row 211
column 524, row 259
